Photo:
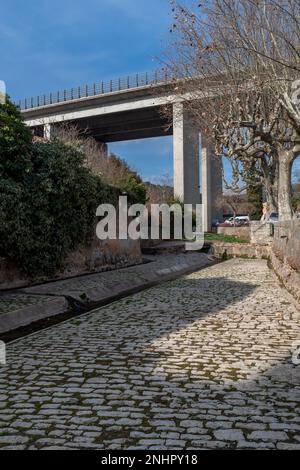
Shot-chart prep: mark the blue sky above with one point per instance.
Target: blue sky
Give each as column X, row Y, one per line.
column 50, row 45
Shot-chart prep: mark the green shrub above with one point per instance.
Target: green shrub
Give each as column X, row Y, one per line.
column 48, row 200
column 295, row 201
column 135, row 188
column 48, row 196
column 52, row 211
column 127, row 180
column 15, row 143
column 113, row 170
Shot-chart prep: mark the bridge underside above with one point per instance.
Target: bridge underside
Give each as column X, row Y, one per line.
column 108, row 125
column 128, row 125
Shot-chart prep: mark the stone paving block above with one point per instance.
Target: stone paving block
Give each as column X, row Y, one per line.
column 200, row 362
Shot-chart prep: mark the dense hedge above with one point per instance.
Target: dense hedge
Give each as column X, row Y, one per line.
column 15, row 143
column 48, row 198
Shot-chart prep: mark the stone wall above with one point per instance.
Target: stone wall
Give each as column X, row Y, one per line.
column 285, row 255
column 261, row 233
column 286, row 243
column 103, row 255
column 224, row 250
column 239, row 232
column 280, row 244
column 10, row 276
column 98, row 256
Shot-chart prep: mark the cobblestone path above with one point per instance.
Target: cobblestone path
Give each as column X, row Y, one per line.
column 198, row 363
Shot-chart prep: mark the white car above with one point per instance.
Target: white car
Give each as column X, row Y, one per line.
column 243, row 219
column 239, row 220
column 229, row 221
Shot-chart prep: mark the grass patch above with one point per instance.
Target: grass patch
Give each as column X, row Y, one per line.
column 224, row 238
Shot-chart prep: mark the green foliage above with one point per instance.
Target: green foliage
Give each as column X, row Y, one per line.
column 48, row 198
column 255, row 199
column 224, row 256
column 113, row 170
column 127, row 180
column 224, row 238
column 135, row 188
column 53, row 211
column 175, row 200
column 295, row 201
column 15, row 143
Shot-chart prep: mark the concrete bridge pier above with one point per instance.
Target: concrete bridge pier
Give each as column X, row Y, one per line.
column 47, row 129
column 186, row 156
column 211, row 185
column 186, row 145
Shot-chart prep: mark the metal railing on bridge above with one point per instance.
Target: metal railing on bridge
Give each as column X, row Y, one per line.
column 96, row 89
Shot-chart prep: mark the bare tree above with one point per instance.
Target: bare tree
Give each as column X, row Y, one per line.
column 160, row 190
column 95, row 157
column 246, row 136
column 268, row 31
column 235, row 62
column 112, row 169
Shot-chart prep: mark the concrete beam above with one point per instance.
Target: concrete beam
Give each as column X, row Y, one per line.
column 84, row 110
column 130, row 125
column 186, row 156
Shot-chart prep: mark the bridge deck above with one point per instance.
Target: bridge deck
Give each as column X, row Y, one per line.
column 96, row 89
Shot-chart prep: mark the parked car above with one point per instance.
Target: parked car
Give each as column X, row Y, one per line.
column 243, row 219
column 229, row 221
column 237, row 221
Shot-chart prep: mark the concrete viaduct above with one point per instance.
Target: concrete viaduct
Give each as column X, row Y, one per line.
column 129, row 109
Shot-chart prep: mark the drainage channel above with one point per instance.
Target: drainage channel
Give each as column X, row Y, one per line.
column 77, row 308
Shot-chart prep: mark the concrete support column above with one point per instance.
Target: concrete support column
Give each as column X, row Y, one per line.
column 186, row 156
column 47, row 131
column 211, row 185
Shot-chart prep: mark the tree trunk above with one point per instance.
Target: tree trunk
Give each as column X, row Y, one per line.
column 270, row 182
column 286, row 158
column 271, row 196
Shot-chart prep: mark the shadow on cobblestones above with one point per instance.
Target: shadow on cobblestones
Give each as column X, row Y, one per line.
column 200, row 362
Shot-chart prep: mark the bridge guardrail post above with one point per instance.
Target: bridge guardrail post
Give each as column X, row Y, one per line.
column 122, row 83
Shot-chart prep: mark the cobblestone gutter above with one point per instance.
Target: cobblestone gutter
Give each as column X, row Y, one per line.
column 77, row 295
column 200, row 362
